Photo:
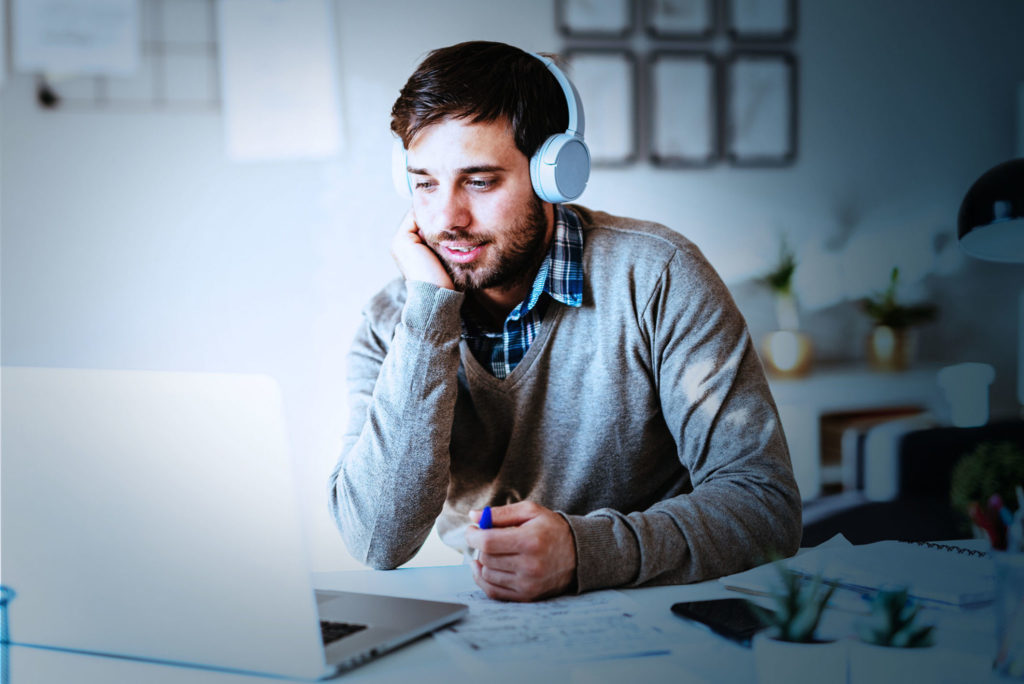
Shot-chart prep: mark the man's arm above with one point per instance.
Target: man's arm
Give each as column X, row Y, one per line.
column 745, row 505
column 392, row 478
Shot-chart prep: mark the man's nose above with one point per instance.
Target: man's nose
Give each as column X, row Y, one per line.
column 453, row 210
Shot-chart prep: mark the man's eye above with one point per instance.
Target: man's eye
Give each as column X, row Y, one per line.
column 480, row 183
column 423, row 185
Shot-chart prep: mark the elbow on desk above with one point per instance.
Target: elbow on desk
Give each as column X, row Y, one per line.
column 385, row 557
column 790, row 528
column 373, row 552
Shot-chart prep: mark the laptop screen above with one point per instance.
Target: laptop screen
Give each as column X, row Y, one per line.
column 153, row 514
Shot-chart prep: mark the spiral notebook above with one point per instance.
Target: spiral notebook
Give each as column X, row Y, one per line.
column 959, row 575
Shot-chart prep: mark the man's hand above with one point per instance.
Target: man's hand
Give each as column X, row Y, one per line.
column 415, row 259
column 529, row 554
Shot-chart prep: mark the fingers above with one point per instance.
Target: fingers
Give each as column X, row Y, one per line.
column 523, row 562
column 414, row 257
column 501, row 540
column 509, row 586
column 511, row 514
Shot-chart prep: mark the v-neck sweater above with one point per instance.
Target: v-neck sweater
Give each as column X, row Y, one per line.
column 643, row 417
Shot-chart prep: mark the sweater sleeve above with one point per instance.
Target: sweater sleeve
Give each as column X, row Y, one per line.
column 744, row 506
column 391, row 480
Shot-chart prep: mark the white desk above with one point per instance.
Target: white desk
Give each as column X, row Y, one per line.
column 963, row 647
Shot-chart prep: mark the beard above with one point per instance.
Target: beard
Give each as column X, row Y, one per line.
column 516, row 252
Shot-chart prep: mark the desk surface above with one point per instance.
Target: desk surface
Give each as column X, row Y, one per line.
column 962, row 652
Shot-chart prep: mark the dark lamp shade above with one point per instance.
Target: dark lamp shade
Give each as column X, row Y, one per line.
column 991, row 221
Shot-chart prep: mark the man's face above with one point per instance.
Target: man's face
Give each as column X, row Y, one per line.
column 474, row 204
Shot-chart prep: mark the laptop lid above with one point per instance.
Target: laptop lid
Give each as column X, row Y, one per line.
column 153, row 515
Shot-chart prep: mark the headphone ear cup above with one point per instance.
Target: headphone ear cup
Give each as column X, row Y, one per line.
column 399, row 174
column 560, row 168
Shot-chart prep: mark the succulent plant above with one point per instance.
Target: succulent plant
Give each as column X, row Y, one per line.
column 798, row 606
column 893, row 622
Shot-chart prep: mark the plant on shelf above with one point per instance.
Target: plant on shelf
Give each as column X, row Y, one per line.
column 780, row 282
column 893, row 622
column 786, row 351
column 890, row 346
column 791, row 650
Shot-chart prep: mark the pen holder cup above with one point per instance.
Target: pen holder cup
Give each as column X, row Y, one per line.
column 1009, row 610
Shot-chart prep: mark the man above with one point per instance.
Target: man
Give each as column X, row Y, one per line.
column 586, row 375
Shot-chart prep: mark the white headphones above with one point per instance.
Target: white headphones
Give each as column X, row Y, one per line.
column 560, row 168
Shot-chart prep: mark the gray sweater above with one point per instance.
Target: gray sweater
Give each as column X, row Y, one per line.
column 643, row 417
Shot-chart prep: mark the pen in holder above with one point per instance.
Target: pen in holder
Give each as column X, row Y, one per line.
column 6, row 595
column 1009, row 608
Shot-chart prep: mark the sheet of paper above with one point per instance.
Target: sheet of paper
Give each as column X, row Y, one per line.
column 71, row 37
column 601, row 624
column 278, row 79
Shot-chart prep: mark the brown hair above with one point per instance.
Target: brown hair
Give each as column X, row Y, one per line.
column 483, row 82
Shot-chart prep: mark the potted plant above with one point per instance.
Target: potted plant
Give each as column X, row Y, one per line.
column 790, row 650
column 786, row 351
column 893, row 646
column 890, row 345
column 991, row 468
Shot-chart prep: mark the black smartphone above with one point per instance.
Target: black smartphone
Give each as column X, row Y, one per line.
column 733, row 619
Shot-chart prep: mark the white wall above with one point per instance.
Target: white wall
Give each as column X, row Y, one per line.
column 129, row 241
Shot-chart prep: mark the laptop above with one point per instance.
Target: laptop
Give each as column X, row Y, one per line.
column 153, row 515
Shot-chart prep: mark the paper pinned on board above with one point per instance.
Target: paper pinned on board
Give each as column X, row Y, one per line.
column 278, row 79
column 76, row 37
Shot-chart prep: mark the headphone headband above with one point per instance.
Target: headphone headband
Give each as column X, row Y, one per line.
column 577, row 121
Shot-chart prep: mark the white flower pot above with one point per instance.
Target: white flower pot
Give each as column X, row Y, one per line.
column 784, row 662
column 871, row 664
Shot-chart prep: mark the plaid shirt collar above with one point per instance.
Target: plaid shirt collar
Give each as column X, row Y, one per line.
column 560, row 276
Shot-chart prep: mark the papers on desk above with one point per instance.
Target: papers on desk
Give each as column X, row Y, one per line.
column 596, row 625
column 939, row 574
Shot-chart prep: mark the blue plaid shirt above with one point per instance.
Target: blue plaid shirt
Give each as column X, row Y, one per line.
column 560, row 277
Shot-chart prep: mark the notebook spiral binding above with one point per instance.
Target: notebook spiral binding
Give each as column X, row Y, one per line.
column 951, row 547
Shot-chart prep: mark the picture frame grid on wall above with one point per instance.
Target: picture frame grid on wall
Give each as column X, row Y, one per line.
column 683, row 20
column 713, row 81
column 684, row 93
column 760, row 108
column 600, row 19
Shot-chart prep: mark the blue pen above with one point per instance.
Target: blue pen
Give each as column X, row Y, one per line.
column 484, row 524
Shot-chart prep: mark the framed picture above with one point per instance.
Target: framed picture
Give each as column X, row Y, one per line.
column 684, row 97
column 594, row 18
column 680, row 19
column 761, row 20
column 760, row 96
column 606, row 80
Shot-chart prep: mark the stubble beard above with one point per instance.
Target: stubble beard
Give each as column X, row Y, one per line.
column 520, row 258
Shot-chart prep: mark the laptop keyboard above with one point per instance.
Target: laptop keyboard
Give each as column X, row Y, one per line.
column 332, row 631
